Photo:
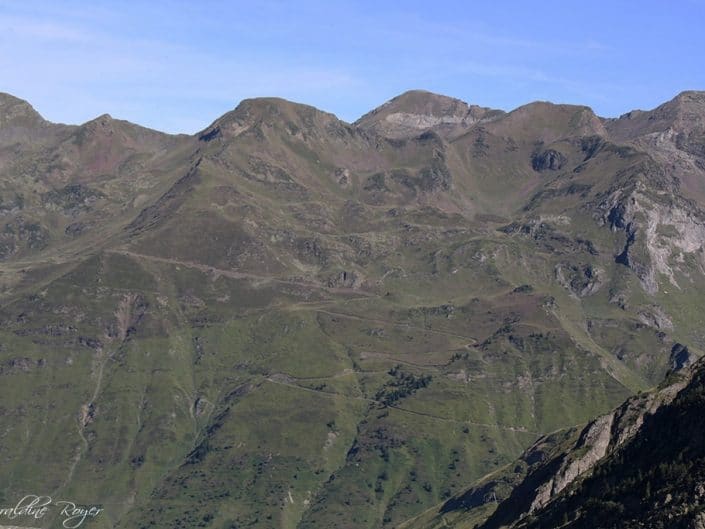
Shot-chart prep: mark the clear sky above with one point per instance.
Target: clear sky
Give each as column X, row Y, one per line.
column 176, row 66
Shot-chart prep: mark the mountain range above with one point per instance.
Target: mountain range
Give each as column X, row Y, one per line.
column 439, row 315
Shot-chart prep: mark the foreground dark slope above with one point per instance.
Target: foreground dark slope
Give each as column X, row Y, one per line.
column 640, row 465
column 654, row 480
column 290, row 321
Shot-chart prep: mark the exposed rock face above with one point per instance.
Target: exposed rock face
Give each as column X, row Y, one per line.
column 668, row 228
column 660, row 233
column 655, row 317
column 594, row 442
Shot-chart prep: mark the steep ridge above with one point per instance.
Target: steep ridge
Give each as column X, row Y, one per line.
column 683, row 114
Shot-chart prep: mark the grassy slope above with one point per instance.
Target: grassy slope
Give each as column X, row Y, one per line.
column 251, row 350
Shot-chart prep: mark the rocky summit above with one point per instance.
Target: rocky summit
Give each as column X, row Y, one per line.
column 439, row 315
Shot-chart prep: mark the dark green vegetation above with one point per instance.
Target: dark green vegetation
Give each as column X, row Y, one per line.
column 290, row 321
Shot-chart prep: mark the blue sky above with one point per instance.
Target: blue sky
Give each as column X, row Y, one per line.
column 176, row 66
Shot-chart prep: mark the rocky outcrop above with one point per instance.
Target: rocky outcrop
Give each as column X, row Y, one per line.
column 655, row 317
column 592, row 444
column 72, row 199
column 548, row 160
column 579, row 280
column 344, row 279
column 22, row 234
column 547, row 231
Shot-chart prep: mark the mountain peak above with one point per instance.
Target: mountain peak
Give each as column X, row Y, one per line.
column 548, row 122
column 106, row 125
column 688, row 106
column 423, row 101
column 104, row 118
column 691, row 96
column 683, row 113
column 268, row 112
column 270, row 109
column 17, row 112
column 416, row 111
